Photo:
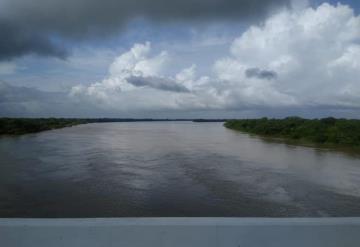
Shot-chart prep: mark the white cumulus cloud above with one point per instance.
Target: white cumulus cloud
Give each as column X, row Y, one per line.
column 314, row 52
column 299, row 57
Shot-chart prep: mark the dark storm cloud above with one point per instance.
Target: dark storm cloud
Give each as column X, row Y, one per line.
column 157, row 83
column 260, row 74
column 16, row 41
column 27, row 25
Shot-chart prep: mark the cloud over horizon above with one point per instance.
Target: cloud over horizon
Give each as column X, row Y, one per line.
column 291, row 62
column 302, row 64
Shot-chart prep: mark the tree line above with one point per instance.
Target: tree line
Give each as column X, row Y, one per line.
column 326, row 130
column 18, row 126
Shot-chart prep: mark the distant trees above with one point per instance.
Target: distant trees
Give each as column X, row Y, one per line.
column 17, row 126
column 326, row 130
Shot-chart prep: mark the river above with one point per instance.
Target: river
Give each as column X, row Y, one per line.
column 172, row 169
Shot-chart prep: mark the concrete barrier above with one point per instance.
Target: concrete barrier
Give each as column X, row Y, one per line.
column 184, row 232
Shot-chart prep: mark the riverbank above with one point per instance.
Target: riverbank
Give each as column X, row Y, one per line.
column 326, row 131
column 19, row 126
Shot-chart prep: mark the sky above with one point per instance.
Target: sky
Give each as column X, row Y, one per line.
column 180, row 58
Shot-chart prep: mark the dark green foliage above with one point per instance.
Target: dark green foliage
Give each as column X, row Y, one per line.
column 326, row 130
column 17, row 126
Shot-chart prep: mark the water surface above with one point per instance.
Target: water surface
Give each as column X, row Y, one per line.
column 171, row 169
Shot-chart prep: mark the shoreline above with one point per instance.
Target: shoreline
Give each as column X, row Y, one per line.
column 292, row 136
column 22, row 126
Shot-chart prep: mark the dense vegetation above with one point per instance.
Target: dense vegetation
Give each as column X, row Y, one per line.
column 324, row 131
column 201, row 120
column 17, row 126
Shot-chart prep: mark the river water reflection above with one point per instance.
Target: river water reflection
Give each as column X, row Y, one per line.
column 171, row 169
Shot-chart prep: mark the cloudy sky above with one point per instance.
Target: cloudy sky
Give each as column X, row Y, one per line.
column 179, row 58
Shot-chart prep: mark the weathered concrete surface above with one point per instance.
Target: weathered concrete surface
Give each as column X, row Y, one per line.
column 176, row 232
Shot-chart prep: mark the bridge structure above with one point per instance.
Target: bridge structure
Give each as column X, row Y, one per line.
column 181, row 232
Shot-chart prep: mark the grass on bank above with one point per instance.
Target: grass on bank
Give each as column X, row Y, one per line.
column 330, row 130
